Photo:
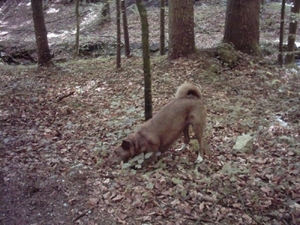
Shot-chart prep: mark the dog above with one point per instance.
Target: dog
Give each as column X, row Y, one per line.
column 167, row 125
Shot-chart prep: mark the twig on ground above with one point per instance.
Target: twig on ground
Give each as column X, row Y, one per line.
column 201, row 218
column 245, row 208
column 85, row 212
column 108, row 176
column 65, row 96
column 216, row 202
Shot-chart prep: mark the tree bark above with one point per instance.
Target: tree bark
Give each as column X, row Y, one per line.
column 44, row 57
column 181, row 28
column 242, row 25
column 162, row 27
column 125, row 28
column 146, row 59
column 290, row 57
column 76, row 51
column 105, row 11
column 280, row 58
column 118, row 56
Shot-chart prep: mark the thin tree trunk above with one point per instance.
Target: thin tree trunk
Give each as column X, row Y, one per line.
column 44, row 57
column 118, row 57
column 290, row 57
column 125, row 28
column 105, row 11
column 162, row 27
column 146, row 59
column 280, row 58
column 77, row 30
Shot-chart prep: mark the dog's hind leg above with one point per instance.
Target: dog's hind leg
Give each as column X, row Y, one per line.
column 199, row 130
column 186, row 138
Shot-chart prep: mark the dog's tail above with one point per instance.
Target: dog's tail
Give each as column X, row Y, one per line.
column 188, row 90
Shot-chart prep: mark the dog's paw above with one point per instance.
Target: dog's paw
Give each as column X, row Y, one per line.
column 183, row 147
column 199, row 159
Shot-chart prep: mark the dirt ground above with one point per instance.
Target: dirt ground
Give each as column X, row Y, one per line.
column 58, row 126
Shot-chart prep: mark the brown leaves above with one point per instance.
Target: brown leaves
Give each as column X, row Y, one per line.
column 57, row 133
column 71, row 140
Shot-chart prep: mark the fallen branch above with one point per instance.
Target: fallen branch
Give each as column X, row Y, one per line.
column 245, row 208
column 213, row 206
column 108, row 176
column 85, row 212
column 201, row 218
column 65, row 96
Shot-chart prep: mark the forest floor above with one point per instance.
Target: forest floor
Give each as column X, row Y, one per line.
column 59, row 125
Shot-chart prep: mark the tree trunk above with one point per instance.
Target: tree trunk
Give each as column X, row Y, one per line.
column 77, row 30
column 280, row 59
column 290, row 57
column 125, row 28
column 146, row 59
column 181, row 28
column 162, row 27
column 118, row 56
column 242, row 25
column 44, row 57
column 105, row 11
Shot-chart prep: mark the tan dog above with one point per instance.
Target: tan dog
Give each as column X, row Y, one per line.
column 160, row 132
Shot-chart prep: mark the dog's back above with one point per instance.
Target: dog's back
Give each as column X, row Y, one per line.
column 188, row 90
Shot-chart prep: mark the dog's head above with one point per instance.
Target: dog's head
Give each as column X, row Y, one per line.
column 122, row 152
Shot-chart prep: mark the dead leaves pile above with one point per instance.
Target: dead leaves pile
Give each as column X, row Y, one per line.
column 57, row 132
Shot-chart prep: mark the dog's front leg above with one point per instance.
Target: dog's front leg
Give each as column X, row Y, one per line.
column 153, row 158
column 183, row 147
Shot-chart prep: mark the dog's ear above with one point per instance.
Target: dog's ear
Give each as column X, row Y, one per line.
column 125, row 145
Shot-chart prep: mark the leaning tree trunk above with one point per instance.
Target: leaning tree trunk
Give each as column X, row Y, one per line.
column 181, row 28
column 290, row 57
column 242, row 25
column 146, row 59
column 44, row 57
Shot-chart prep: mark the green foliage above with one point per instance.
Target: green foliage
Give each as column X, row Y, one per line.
column 227, row 55
column 137, row 161
column 177, row 181
column 231, row 169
